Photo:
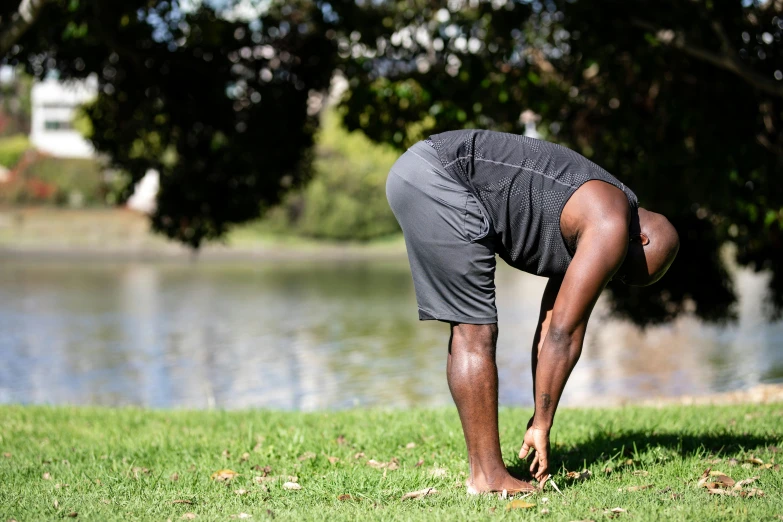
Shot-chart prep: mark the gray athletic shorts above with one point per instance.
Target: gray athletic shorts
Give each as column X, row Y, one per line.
column 448, row 238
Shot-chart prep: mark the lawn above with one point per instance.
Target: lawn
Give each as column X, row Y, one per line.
column 131, row 464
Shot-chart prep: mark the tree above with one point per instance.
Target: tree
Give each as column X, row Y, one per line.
column 681, row 100
column 218, row 106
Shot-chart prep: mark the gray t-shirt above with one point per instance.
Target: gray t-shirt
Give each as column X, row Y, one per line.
column 523, row 185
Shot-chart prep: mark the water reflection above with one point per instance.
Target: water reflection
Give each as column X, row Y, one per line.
column 310, row 336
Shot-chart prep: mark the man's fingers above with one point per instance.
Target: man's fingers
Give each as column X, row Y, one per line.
column 523, row 451
column 534, row 465
column 543, row 468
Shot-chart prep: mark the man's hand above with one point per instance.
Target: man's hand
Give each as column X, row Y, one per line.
column 537, row 440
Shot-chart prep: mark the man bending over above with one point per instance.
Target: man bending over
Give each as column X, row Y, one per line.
column 463, row 196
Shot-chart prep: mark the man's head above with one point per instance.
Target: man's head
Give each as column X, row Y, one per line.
column 653, row 246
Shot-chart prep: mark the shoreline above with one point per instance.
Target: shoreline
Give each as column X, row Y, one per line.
column 118, row 234
column 758, row 394
column 326, row 252
column 761, row 394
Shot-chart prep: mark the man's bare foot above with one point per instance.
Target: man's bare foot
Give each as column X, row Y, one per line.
column 508, row 483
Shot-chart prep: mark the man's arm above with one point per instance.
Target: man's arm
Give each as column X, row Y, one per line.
column 544, row 319
column 601, row 252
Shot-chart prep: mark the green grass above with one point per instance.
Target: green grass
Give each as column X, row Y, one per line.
column 103, row 454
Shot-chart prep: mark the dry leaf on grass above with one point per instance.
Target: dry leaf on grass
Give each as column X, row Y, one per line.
column 245, row 456
column 636, row 488
column 182, row 501
column 260, row 480
column 519, row 504
column 292, row 478
column 743, row 483
column 732, row 462
column 240, row 491
column 545, row 511
column 419, row 494
column 7, row 455
column 139, row 471
column 410, row 445
column 292, row 486
column 755, row 460
column 344, row 497
column 224, row 475
column 576, row 475
column 174, row 477
column 56, row 504
column 439, row 472
column 393, row 464
column 615, row 512
column 333, row 460
column 418, row 464
column 266, row 470
column 189, row 516
column 704, row 477
column 722, row 481
column 307, row 455
column 640, row 473
column 726, row 492
column 46, row 476
column 359, row 455
column 242, row 515
column 715, row 461
column 73, row 514
column 58, row 486
column 340, row 440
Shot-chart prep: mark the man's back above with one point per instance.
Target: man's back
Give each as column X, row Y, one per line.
column 522, row 184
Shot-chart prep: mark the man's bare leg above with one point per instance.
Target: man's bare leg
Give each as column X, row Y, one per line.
column 473, row 381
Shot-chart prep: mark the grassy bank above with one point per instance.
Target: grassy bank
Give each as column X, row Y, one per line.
column 122, row 464
column 116, row 233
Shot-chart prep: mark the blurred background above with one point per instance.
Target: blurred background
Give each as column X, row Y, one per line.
column 193, row 211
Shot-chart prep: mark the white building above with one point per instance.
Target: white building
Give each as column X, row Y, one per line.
column 54, row 106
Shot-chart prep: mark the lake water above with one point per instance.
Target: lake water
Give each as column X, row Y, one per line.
column 311, row 336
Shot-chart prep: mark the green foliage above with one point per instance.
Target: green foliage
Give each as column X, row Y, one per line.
column 217, row 106
column 12, row 148
column 641, row 88
column 57, row 181
column 76, row 181
column 679, row 99
column 346, row 199
column 118, row 464
column 15, row 103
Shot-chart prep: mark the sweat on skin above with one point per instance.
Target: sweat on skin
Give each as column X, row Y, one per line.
column 464, row 197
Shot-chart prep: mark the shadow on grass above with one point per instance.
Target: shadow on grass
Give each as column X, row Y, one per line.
column 614, row 448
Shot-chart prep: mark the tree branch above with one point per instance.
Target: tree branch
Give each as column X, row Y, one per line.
column 727, row 60
column 24, row 17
